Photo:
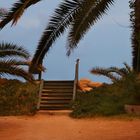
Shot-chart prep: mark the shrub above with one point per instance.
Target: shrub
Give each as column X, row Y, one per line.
column 108, row 99
column 17, row 98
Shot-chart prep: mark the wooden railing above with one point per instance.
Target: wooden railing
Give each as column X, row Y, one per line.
column 40, row 91
column 76, row 79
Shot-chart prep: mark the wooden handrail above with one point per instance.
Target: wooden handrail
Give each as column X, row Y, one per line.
column 76, row 79
column 40, row 91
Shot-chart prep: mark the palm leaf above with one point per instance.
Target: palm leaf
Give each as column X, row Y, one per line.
column 128, row 68
column 8, row 49
column 18, row 63
column 90, row 12
column 105, row 72
column 16, row 11
column 3, row 12
column 120, row 71
column 62, row 17
column 20, row 11
column 9, row 67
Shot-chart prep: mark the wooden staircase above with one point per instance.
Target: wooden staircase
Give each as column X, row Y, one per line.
column 55, row 95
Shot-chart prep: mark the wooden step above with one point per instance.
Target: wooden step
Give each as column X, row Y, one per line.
column 56, row 98
column 55, row 102
column 54, row 107
column 61, row 81
column 58, row 83
column 57, row 90
column 57, row 87
column 56, row 95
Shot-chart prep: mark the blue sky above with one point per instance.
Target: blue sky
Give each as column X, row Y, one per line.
column 108, row 43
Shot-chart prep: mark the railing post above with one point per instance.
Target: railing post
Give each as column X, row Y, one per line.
column 40, row 91
column 40, row 75
column 76, row 79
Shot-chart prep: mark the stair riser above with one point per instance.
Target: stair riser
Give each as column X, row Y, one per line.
column 50, row 105
column 57, row 91
column 55, row 102
column 57, row 94
column 58, row 84
column 50, row 108
column 54, row 105
column 57, row 88
column 50, row 98
column 55, row 97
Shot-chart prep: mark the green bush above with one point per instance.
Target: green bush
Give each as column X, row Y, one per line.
column 108, row 99
column 17, row 98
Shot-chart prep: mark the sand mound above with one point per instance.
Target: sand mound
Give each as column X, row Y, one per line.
column 87, row 85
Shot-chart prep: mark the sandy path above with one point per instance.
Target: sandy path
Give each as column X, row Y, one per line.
column 62, row 127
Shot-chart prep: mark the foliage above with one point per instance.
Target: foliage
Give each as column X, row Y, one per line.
column 16, row 11
column 17, row 98
column 12, row 57
column 69, row 14
column 108, row 100
column 9, row 49
column 114, row 73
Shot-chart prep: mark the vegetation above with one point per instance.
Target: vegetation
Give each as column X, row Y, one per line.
column 114, row 73
column 17, row 98
column 108, row 100
column 11, row 59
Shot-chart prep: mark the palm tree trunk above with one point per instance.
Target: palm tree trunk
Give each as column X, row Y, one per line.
column 136, row 36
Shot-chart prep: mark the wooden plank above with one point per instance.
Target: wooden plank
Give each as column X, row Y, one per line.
column 40, row 91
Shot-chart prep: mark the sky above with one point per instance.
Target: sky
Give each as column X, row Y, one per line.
column 107, row 43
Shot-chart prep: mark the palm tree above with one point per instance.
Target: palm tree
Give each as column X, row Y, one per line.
column 11, row 59
column 79, row 16
column 114, row 73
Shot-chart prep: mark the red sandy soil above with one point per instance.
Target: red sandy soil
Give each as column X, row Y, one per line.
column 62, row 127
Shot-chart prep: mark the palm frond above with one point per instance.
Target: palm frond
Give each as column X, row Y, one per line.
column 121, row 72
column 104, row 72
column 3, row 12
column 8, row 49
column 9, row 67
column 62, row 17
column 90, row 12
column 16, row 11
column 127, row 67
column 23, row 63
column 20, row 11
column 14, row 62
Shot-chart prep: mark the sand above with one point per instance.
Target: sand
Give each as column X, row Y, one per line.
column 62, row 127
